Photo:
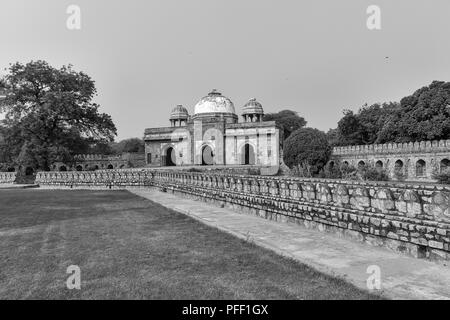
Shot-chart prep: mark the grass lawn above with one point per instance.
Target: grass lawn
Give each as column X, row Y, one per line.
column 131, row 248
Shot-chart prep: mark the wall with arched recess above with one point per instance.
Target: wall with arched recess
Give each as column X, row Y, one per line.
column 434, row 155
column 409, row 218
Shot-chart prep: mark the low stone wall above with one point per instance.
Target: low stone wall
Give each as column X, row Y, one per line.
column 7, row 177
column 409, row 218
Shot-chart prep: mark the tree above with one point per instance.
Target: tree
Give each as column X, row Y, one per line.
column 349, row 129
column 424, row 115
column 364, row 126
column 50, row 115
column 333, row 137
column 289, row 120
column 307, row 148
column 129, row 145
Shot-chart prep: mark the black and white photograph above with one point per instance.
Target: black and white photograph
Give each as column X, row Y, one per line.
column 228, row 156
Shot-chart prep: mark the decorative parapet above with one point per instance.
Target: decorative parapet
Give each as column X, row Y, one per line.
column 412, row 218
column 390, row 148
column 103, row 157
column 7, row 177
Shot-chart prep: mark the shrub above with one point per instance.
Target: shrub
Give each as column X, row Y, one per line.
column 346, row 172
column 442, row 177
column 399, row 175
column 306, row 151
column 372, row 173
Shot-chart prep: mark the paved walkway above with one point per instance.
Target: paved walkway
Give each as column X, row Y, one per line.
column 17, row 186
column 401, row 277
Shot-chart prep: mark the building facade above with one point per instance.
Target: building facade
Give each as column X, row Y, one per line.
column 214, row 136
column 413, row 161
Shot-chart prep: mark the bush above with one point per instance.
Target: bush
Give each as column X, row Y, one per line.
column 346, row 172
column 399, row 175
column 372, row 173
column 442, row 177
column 306, row 151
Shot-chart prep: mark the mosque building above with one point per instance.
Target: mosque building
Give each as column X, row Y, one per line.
column 212, row 135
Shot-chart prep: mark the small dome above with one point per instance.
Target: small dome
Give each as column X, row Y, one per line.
column 252, row 107
column 179, row 112
column 214, row 102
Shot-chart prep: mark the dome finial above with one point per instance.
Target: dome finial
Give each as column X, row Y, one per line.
column 214, row 92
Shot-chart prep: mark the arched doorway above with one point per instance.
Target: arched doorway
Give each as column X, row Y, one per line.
column 207, row 156
column 398, row 166
column 361, row 165
column 420, row 168
column 248, row 154
column 62, row 168
column 110, row 166
column 29, row 171
column 445, row 165
column 79, row 168
column 379, row 165
column 169, row 157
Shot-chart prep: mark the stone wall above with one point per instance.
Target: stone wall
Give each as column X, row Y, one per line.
column 409, row 218
column 91, row 162
column 7, row 177
column 415, row 161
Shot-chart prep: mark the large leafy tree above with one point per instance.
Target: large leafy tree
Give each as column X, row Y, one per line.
column 289, row 120
column 129, row 145
column 424, row 115
column 364, row 126
column 307, row 148
column 49, row 114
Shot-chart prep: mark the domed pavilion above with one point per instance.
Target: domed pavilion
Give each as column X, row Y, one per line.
column 212, row 135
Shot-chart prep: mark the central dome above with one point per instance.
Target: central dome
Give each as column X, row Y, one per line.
column 214, row 102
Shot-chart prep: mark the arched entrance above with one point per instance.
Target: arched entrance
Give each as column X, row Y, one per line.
column 207, row 156
column 29, row 171
column 445, row 165
column 169, row 157
column 361, row 165
column 79, row 168
column 379, row 165
column 420, row 168
column 248, row 154
column 62, row 168
column 110, row 166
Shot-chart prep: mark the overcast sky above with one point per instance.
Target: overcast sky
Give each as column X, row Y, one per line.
column 316, row 57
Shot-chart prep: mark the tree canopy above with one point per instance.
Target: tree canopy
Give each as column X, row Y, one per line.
column 49, row 114
column 128, row 145
column 307, row 148
column 424, row 115
column 289, row 120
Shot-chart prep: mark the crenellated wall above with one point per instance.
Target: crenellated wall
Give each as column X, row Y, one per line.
column 413, row 161
column 7, row 177
column 409, row 218
column 407, row 147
